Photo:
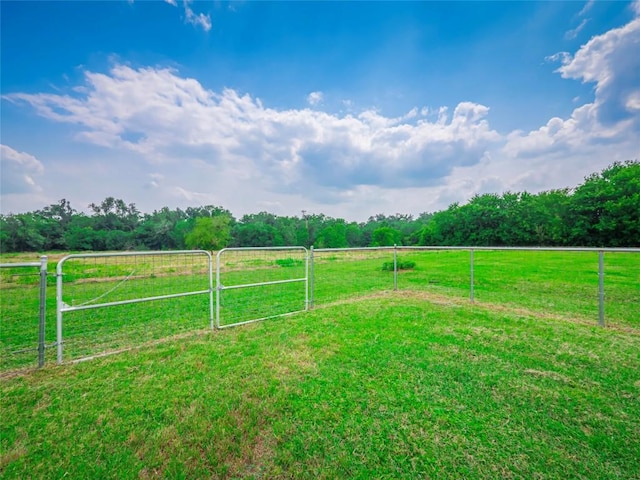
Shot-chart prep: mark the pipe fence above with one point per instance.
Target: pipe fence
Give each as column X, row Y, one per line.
column 563, row 282
column 23, row 313
column 254, row 284
column 113, row 301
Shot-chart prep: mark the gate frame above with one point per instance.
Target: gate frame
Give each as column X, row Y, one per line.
column 42, row 264
column 220, row 287
column 61, row 307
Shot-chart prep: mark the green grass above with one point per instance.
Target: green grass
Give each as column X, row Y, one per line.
column 391, row 387
column 90, row 332
column 559, row 285
column 94, row 280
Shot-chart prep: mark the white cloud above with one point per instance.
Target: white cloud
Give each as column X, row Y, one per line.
column 195, row 19
column 314, row 98
column 562, row 57
column 633, row 101
column 571, row 34
column 227, row 148
column 19, row 171
column 586, row 8
column 155, row 180
column 199, row 19
column 612, row 63
column 164, row 117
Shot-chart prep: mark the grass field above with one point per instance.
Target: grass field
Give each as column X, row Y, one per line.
column 558, row 285
column 413, row 384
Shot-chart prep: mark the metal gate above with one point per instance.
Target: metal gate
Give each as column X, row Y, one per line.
column 259, row 283
column 22, row 329
column 116, row 301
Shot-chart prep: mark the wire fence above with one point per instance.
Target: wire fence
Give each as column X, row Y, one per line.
column 592, row 285
column 340, row 274
column 258, row 283
column 110, row 302
column 23, row 340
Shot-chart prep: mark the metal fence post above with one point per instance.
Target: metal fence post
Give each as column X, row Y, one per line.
column 311, row 277
column 211, row 292
column 59, row 310
column 218, row 288
column 471, row 262
column 395, row 267
column 601, row 288
column 43, row 309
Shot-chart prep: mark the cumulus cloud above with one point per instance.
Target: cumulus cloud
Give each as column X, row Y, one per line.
column 164, row 117
column 314, row 98
column 228, row 148
column 611, row 62
column 19, row 171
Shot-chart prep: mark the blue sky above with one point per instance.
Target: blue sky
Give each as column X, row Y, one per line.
column 344, row 108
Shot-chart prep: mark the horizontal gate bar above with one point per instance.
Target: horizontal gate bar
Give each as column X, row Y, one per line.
column 29, row 264
column 259, row 319
column 138, row 254
column 135, row 300
column 275, row 282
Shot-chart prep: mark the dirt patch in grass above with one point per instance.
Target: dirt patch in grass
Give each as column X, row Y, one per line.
column 448, row 301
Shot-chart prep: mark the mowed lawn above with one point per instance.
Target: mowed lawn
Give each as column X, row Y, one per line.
column 562, row 285
column 402, row 385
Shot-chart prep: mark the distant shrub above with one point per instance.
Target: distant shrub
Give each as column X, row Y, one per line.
column 402, row 265
column 288, row 262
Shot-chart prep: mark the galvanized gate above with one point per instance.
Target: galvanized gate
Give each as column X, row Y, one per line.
column 115, row 301
column 259, row 283
column 22, row 329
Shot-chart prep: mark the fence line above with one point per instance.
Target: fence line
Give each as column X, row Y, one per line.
column 396, row 248
column 149, row 272
column 42, row 264
column 265, row 274
column 276, row 291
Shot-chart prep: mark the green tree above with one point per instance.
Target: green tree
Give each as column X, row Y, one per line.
column 257, row 234
column 354, row 235
column 209, row 233
column 21, row 233
column 333, row 235
column 158, row 231
column 115, row 214
column 605, row 209
column 55, row 220
column 386, row 237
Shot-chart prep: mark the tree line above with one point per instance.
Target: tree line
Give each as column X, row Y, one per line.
column 603, row 211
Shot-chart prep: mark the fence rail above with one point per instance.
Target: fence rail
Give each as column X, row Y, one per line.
column 451, row 273
column 152, row 295
column 279, row 275
column 126, row 279
column 16, row 344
